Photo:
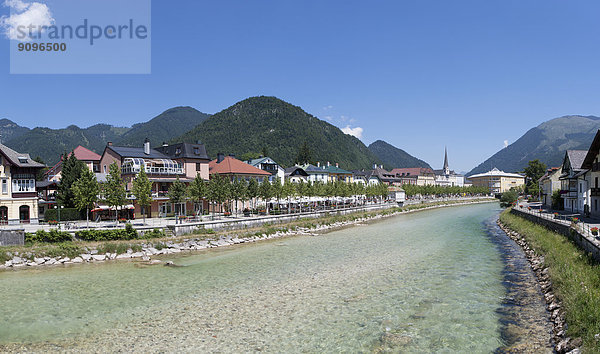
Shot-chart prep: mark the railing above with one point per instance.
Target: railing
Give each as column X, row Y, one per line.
column 566, row 219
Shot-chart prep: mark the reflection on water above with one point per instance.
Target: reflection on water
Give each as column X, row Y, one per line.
column 428, row 281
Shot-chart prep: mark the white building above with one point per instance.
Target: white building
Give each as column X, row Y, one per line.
column 447, row 178
column 267, row 164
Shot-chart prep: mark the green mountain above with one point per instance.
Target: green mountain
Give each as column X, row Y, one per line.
column 270, row 125
column 50, row 144
column 164, row 127
column 393, row 157
column 546, row 142
column 10, row 130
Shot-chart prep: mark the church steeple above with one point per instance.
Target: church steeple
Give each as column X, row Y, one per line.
column 446, row 168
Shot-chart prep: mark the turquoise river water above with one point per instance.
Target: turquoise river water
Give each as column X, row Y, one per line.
column 444, row 280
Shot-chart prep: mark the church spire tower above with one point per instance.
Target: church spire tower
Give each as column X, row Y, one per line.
column 446, row 168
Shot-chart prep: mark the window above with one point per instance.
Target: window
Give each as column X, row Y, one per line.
column 198, row 166
column 196, row 151
column 596, row 182
column 4, row 186
column 23, row 185
column 178, row 151
column 104, row 168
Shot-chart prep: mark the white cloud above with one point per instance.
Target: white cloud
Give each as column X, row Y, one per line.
column 23, row 15
column 357, row 132
column 505, row 143
column 329, row 118
column 327, row 108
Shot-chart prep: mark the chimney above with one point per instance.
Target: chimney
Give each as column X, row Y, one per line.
column 109, row 143
column 337, row 165
column 165, row 144
column 374, row 166
column 318, row 163
column 220, row 157
column 147, row 146
column 328, row 164
column 381, row 166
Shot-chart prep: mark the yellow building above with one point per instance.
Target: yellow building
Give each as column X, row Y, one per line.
column 18, row 196
column 498, row 181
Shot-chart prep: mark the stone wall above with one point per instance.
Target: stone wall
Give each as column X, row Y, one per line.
column 12, row 237
column 580, row 240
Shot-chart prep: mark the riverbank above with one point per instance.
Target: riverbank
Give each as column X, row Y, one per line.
column 77, row 252
column 569, row 278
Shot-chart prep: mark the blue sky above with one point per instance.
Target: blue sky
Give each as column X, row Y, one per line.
column 420, row 75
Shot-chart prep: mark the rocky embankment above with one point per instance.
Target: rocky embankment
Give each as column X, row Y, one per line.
column 563, row 344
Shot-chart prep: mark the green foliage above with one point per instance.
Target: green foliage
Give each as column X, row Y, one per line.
column 66, row 214
column 392, row 157
column 108, row 235
column 280, row 128
column 508, row 198
column 557, row 201
column 177, row 193
column 52, row 236
column 574, row 274
column 412, row 190
column 534, row 171
column 142, row 189
column 86, row 190
column 114, row 188
column 164, row 127
column 154, row 233
column 72, row 170
column 218, row 189
column 64, row 249
column 304, row 154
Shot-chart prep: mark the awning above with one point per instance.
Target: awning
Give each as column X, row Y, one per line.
column 106, row 207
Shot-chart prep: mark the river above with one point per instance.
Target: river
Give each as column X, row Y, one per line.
column 431, row 281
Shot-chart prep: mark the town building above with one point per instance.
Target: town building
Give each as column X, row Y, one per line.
column 365, row 177
column 390, row 178
column 573, row 181
column 446, row 177
column 497, row 181
column 296, row 174
column 591, row 163
column 269, row 165
column 235, row 169
column 423, row 176
column 548, row 184
column 88, row 157
column 315, row 173
column 18, row 195
column 336, row 173
column 163, row 166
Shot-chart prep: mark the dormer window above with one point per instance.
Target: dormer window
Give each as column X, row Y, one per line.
column 196, row 151
column 177, row 151
column 22, row 159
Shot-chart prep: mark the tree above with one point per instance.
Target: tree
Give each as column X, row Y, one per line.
column 277, row 190
column 238, row 191
column 177, row 195
column 288, row 191
column 85, row 191
column 249, row 156
column 557, row 201
column 508, row 198
column 252, row 191
column 534, row 171
column 142, row 190
column 71, row 172
column 198, row 191
column 265, row 191
column 304, row 154
column 218, row 190
column 114, row 189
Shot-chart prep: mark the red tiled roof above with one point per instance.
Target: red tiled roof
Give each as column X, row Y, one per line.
column 84, row 154
column 231, row 165
column 412, row 171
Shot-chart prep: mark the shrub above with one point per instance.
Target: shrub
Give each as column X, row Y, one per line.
column 52, row 236
column 155, row 233
column 66, row 214
column 108, row 235
column 65, row 249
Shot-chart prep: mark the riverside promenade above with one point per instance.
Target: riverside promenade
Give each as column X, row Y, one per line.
column 219, row 221
column 579, row 232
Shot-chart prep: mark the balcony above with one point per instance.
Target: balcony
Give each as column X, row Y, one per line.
column 568, row 193
column 162, row 167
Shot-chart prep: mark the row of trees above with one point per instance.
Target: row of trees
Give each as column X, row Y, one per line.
column 413, row 190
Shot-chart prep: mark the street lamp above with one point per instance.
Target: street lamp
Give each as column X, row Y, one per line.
column 58, row 207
